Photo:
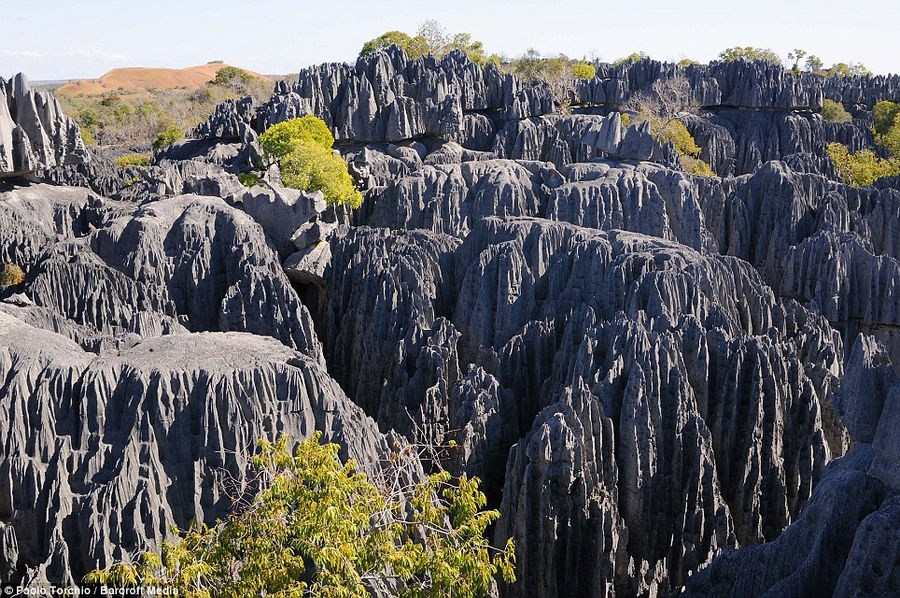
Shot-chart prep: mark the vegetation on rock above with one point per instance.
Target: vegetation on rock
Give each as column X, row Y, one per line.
column 302, row 149
column 863, row 167
column 132, row 160
column 750, row 53
column 886, row 126
column 322, row 528
column 834, row 112
column 11, row 275
column 167, row 138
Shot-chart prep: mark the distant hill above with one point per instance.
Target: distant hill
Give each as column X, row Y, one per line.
column 146, row 79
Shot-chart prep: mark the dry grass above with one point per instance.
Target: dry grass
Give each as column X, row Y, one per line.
column 138, row 80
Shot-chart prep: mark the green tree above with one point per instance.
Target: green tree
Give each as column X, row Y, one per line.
column 842, row 69
column 886, row 126
column 834, row 112
column 302, row 149
column 167, row 138
column 814, row 64
column 750, row 53
column 862, row 168
column 414, row 47
column 473, row 49
column 584, row 70
column 322, row 528
column 796, row 55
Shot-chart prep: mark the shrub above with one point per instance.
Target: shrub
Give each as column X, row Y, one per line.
column 834, row 112
column 310, row 167
column 625, row 118
column 249, row 179
column 886, row 126
column 132, row 160
column 88, row 138
column 167, row 138
column 686, row 62
column 279, row 140
column 697, row 167
column 584, row 70
column 321, row 528
column 862, row 168
column 302, row 149
column 11, row 275
column 677, row 133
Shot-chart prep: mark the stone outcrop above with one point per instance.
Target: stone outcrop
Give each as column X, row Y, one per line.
column 103, row 455
column 845, row 541
column 34, row 132
column 664, row 380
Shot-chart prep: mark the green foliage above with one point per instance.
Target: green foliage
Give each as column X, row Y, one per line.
column 302, row 149
column 697, row 167
column 280, row 139
column 322, row 528
column 310, row 167
column 432, row 39
column 842, row 69
column 88, row 138
column 884, row 116
column 132, row 160
column 686, row 62
column 584, row 70
column 675, row 132
column 749, row 53
column 834, row 112
column 631, row 58
column 862, row 168
column 228, row 75
column 625, row 118
column 414, row 47
column 11, row 275
column 473, row 49
column 886, row 126
column 167, row 138
column 249, row 179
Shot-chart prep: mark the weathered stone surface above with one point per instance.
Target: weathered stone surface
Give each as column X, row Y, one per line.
column 103, row 455
column 845, row 540
column 188, row 260
column 34, row 132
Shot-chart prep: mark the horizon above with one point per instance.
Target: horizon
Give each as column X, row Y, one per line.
column 63, row 40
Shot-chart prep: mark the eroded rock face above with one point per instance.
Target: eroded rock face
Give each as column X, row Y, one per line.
column 845, row 541
column 34, row 132
column 186, row 262
column 103, row 455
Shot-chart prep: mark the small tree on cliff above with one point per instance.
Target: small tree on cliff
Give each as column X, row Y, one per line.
column 322, row 528
column 302, row 149
column 663, row 105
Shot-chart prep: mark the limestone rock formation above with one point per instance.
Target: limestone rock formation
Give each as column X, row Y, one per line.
column 104, row 454
column 34, row 132
column 845, row 542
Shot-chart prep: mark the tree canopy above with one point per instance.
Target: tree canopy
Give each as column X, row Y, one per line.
column 432, row 39
column 302, row 149
column 321, row 528
column 750, row 53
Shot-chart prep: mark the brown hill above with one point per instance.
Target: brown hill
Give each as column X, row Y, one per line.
column 142, row 79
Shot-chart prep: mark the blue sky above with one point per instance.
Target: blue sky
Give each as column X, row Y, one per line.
column 58, row 39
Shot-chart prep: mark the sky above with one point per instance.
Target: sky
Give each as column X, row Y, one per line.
column 60, row 39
